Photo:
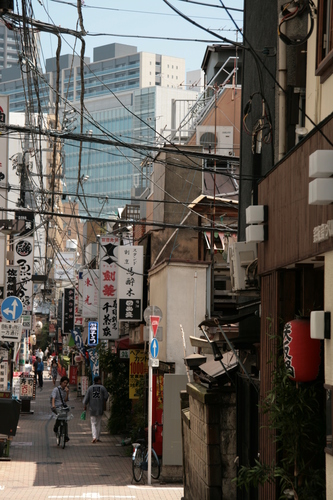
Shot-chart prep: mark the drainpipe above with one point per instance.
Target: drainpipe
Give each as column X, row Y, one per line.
column 282, row 69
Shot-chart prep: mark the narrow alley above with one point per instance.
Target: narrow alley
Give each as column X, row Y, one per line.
column 37, row 468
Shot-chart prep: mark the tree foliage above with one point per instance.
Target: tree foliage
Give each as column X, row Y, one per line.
column 296, row 414
column 117, row 384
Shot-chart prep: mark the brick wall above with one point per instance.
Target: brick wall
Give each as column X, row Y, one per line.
column 209, row 443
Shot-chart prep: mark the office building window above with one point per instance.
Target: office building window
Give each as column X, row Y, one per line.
column 324, row 40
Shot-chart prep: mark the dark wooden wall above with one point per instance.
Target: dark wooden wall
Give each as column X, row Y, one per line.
column 284, row 294
column 291, row 219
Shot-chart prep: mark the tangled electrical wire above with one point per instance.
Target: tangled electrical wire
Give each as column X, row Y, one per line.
column 290, row 11
column 262, row 130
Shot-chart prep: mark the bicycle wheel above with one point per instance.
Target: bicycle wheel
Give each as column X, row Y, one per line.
column 63, row 436
column 58, row 435
column 155, row 465
column 136, row 465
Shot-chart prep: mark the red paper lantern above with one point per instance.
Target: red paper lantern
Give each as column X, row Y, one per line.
column 301, row 352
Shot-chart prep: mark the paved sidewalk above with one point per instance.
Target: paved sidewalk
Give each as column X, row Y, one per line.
column 39, row 469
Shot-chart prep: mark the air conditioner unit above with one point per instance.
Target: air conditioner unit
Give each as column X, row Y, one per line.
column 205, row 135
column 241, row 256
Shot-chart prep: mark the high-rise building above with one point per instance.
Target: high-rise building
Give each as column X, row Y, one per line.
column 8, row 49
column 130, row 97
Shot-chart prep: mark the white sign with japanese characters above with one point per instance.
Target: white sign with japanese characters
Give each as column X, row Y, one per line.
column 130, row 283
column 108, row 322
column 24, row 258
column 90, row 293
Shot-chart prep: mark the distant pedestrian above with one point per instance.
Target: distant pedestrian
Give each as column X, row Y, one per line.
column 54, row 371
column 35, row 366
column 40, row 370
column 96, row 397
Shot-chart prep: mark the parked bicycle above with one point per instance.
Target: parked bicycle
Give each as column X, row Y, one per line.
column 63, row 416
column 140, row 461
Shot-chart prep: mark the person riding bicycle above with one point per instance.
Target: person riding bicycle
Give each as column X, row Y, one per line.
column 59, row 397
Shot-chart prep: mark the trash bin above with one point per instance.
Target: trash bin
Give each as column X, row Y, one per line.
column 9, row 416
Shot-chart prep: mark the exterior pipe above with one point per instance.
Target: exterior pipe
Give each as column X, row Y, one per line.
column 282, row 69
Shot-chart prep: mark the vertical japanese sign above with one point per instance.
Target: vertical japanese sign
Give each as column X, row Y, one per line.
column 4, row 115
column 12, row 280
column 68, row 308
column 93, row 333
column 24, row 258
column 90, row 293
column 130, row 283
column 108, row 268
column 138, row 368
column 78, row 320
column 29, row 222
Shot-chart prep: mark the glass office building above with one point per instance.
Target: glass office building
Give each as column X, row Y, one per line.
column 128, row 95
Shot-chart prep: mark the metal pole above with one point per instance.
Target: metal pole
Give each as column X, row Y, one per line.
column 150, row 405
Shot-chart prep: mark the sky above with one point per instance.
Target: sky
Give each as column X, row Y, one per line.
column 139, row 19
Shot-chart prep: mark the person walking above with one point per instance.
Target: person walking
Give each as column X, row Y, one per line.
column 40, row 370
column 54, row 371
column 35, row 366
column 96, row 397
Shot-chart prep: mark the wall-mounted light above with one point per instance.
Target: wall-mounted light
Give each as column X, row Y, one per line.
column 320, row 325
column 256, row 216
column 321, row 170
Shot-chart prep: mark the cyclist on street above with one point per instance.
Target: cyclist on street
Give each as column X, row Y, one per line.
column 59, row 397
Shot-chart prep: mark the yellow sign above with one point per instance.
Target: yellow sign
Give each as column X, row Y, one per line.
column 138, row 367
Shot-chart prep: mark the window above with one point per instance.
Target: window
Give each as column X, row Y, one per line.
column 325, row 40
column 69, row 232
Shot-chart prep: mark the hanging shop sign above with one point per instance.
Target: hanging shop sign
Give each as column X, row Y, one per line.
column 301, row 352
column 130, row 283
column 108, row 267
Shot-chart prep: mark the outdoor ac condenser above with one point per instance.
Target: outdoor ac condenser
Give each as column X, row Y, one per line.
column 241, row 255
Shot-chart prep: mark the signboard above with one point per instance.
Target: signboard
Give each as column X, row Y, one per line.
column 138, row 367
column 12, row 279
column 10, row 332
column 130, row 283
column 154, row 348
column 26, row 322
column 92, row 333
column 3, row 369
column 73, row 374
column 26, row 387
column 29, row 221
column 154, row 321
column 11, row 308
column 124, row 354
column 68, row 308
column 24, row 258
column 108, row 287
column 4, row 112
column 90, row 293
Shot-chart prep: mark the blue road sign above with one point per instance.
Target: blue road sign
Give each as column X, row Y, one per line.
column 154, row 348
column 11, row 308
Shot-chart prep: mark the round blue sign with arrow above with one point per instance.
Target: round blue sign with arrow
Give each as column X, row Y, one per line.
column 154, row 347
column 11, row 308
